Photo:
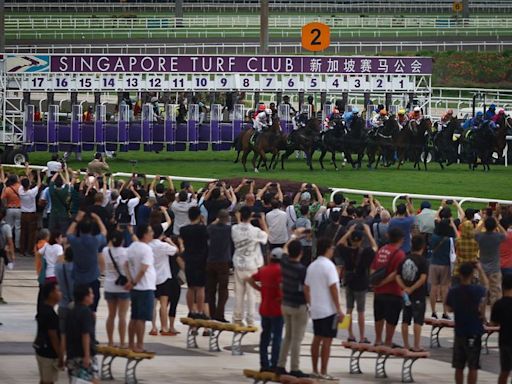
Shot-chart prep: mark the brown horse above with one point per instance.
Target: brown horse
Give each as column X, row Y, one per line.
column 504, row 123
column 267, row 141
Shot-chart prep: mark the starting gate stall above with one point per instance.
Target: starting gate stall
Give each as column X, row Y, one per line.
column 285, row 119
column 107, row 74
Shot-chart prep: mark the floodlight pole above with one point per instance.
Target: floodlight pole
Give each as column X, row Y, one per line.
column 465, row 9
column 179, row 12
column 264, row 26
column 2, row 26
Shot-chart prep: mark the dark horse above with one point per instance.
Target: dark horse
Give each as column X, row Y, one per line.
column 332, row 141
column 504, row 124
column 303, row 139
column 418, row 142
column 481, row 144
column 380, row 143
column 444, row 147
column 267, row 141
column 356, row 141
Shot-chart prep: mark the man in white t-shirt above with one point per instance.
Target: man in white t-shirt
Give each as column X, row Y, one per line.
column 180, row 209
column 53, row 166
column 142, row 283
column 131, row 201
column 28, row 214
column 277, row 228
column 322, row 289
column 247, row 258
column 163, row 248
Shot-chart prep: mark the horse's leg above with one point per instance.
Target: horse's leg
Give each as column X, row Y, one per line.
column 285, row 156
column 254, row 162
column 244, row 159
column 333, row 159
column 321, row 159
column 237, row 157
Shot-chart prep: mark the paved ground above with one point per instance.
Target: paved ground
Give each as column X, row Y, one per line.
column 175, row 363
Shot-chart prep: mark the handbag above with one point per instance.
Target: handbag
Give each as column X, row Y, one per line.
column 122, row 280
column 380, row 274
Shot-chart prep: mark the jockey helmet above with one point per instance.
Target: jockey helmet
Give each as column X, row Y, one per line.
column 286, row 98
column 501, row 111
column 479, row 114
column 355, row 110
column 492, row 106
column 449, row 112
column 335, row 111
column 401, row 111
column 383, row 112
column 417, row 109
column 380, row 106
column 261, row 107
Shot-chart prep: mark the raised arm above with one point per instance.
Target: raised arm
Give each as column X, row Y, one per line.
column 280, row 196
column 319, row 196
column 410, row 206
column 373, row 243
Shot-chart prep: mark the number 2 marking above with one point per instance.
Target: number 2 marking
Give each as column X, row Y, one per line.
column 316, row 32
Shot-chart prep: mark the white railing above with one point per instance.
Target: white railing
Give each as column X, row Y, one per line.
column 20, row 23
column 369, row 7
column 397, row 195
column 251, row 48
column 120, row 174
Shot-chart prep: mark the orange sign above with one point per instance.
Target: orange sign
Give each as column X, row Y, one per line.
column 457, row 6
column 316, row 36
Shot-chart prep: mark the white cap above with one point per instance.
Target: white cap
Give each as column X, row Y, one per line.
column 417, row 109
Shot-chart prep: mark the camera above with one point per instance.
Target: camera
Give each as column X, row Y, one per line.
column 449, row 202
column 248, row 181
column 273, row 184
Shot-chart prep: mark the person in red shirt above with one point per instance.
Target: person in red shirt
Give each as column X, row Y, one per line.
column 269, row 278
column 387, row 302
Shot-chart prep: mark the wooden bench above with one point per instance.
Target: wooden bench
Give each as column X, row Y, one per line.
column 266, row 377
column 439, row 324
column 216, row 328
column 132, row 360
column 383, row 353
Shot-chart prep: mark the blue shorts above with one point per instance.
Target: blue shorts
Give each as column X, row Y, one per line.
column 142, row 304
column 117, row 296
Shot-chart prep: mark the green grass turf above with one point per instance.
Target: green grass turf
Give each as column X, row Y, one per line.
column 456, row 180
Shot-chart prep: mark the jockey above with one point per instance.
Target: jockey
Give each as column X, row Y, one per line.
column 331, row 120
column 402, row 118
column 349, row 116
column 474, row 123
column 491, row 112
column 262, row 118
column 300, row 120
column 497, row 117
column 379, row 119
column 415, row 114
column 312, row 105
column 445, row 120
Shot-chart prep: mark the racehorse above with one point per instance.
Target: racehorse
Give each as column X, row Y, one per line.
column 418, row 143
column 482, row 144
column 267, row 141
column 445, row 144
column 332, row 141
column 303, row 139
column 504, row 124
column 356, row 141
column 380, row 144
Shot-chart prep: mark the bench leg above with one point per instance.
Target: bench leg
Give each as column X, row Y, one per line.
column 236, row 344
column 434, row 337
column 130, row 373
column 106, row 367
column 213, row 341
column 354, row 362
column 407, row 369
column 380, row 366
column 191, row 337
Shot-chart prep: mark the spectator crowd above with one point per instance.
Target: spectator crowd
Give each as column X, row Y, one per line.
column 146, row 240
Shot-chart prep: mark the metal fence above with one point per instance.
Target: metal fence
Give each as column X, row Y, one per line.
column 366, row 47
column 371, row 7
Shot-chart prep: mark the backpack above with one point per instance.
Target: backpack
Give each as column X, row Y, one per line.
column 326, row 224
column 122, row 216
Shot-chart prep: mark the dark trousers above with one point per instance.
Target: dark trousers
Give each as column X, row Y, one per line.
column 271, row 329
column 174, row 296
column 28, row 232
column 217, row 279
